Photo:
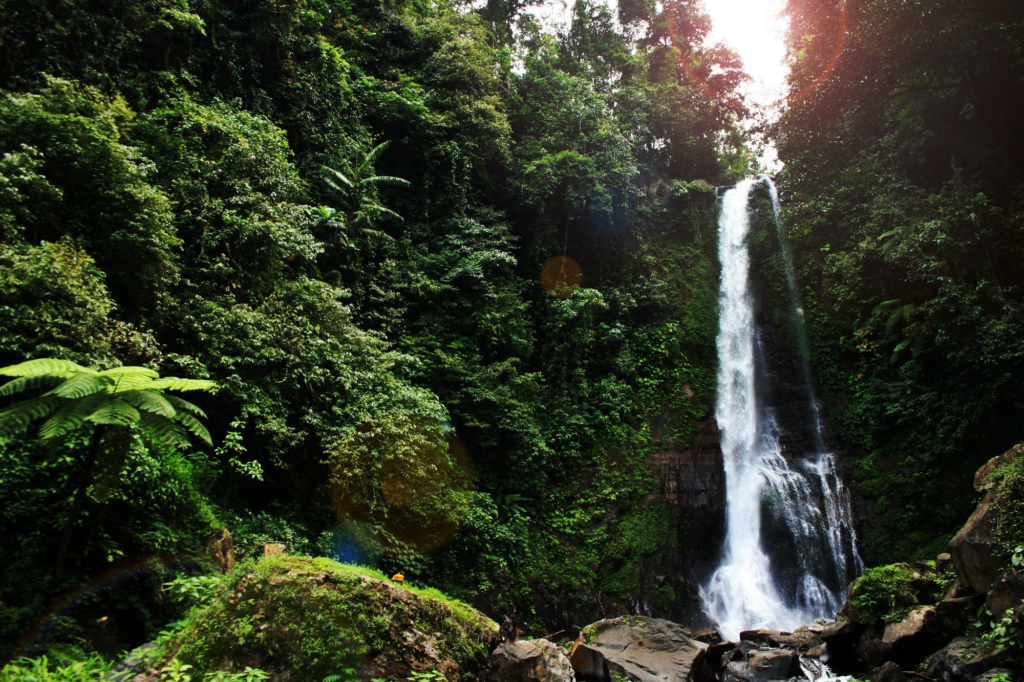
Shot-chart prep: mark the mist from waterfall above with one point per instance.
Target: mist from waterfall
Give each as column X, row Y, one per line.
column 804, row 496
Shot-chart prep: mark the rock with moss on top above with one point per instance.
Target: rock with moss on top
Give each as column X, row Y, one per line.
column 304, row 619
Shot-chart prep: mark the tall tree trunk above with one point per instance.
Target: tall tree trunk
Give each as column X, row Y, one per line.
column 76, row 506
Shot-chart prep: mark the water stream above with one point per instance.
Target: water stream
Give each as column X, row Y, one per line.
column 799, row 495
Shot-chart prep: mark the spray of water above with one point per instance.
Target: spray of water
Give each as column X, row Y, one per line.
column 810, row 502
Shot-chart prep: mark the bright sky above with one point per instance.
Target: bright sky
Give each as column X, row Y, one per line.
column 754, row 29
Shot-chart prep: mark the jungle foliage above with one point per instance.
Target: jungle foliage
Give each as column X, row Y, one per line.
column 905, row 210
column 338, row 211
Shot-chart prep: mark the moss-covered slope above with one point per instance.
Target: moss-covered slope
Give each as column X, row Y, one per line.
column 303, row 619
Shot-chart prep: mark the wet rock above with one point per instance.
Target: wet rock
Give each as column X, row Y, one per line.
column 1007, row 593
column 914, row 637
column 1001, row 673
column 710, row 637
column 771, row 664
column 535, row 660
column 776, row 639
column 963, row 659
column 641, row 650
column 887, row 672
column 957, row 613
column 972, row 548
column 841, row 635
column 872, row 650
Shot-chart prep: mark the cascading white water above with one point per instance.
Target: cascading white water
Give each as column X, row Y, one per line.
column 811, row 504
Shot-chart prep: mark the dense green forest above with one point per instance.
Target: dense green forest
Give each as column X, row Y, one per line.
column 341, row 214
column 450, row 279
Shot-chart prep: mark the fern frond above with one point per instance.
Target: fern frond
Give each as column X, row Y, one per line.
column 111, row 458
column 330, row 175
column 180, row 404
column 131, row 370
column 372, row 157
column 44, row 366
column 82, row 385
column 386, row 180
column 176, row 384
column 27, row 383
column 72, row 415
column 195, row 426
column 150, row 401
column 115, row 412
column 162, row 431
column 17, row 417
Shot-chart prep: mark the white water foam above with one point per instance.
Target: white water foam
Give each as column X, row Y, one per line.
column 811, row 504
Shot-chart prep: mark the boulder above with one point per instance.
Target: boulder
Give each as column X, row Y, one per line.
column 772, row 638
column 1011, row 674
column 535, row 660
column 981, row 477
column 641, row 650
column 963, row 659
column 956, row 613
column 708, row 636
column 276, row 612
column 943, row 562
column 1007, row 593
column 770, row 664
column 887, row 672
column 914, row 637
column 972, row 548
column 872, row 650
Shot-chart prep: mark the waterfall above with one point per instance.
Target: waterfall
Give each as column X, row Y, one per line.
column 801, row 495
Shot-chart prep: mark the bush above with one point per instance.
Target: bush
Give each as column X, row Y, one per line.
column 884, row 594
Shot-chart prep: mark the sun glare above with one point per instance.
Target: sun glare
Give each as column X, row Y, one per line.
column 754, row 30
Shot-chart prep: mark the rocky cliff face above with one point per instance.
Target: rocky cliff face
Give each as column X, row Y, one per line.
column 692, row 482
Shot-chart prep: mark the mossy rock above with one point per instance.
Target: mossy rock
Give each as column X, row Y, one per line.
column 303, row 619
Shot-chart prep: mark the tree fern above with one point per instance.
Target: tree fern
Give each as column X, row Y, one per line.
column 118, row 402
column 45, row 366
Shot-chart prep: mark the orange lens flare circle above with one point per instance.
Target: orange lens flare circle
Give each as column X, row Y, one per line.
column 561, row 276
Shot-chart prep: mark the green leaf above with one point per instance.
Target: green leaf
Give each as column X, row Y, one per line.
column 175, row 384
column 162, row 431
column 72, row 415
column 111, row 458
column 195, row 426
column 116, row 411
column 45, row 366
column 18, row 416
column 181, row 404
column 82, row 385
column 27, row 383
column 150, row 401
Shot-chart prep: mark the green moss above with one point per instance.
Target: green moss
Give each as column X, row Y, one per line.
column 1009, row 531
column 313, row 617
column 884, row 594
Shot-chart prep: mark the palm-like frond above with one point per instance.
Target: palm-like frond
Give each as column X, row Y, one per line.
column 17, row 417
column 333, row 176
column 182, row 405
column 131, row 371
column 385, row 180
column 45, row 366
column 83, row 385
column 162, row 431
column 176, row 384
column 195, row 426
column 72, row 415
column 115, row 412
column 150, row 401
column 27, row 383
column 372, row 157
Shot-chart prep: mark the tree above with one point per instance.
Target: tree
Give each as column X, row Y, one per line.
column 356, row 190
column 116, row 402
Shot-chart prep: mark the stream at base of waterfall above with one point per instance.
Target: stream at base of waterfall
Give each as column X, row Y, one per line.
column 801, row 493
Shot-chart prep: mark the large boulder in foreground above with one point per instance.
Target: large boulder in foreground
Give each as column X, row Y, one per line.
column 303, row 619
column 536, row 660
column 641, row 650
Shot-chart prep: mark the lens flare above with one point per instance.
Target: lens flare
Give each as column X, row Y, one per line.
column 561, row 276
